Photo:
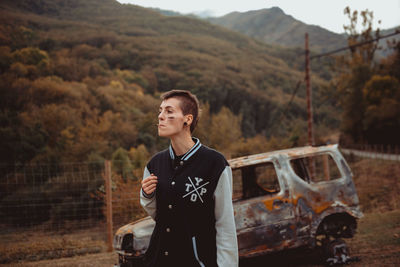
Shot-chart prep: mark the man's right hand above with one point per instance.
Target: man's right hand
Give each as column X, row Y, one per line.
column 149, row 184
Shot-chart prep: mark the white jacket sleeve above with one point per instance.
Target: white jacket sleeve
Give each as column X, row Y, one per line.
column 148, row 202
column 227, row 248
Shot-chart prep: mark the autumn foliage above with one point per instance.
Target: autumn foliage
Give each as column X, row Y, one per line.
column 368, row 89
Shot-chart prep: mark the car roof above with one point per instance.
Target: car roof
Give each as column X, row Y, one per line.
column 267, row 156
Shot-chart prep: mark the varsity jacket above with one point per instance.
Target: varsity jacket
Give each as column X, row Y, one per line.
column 192, row 207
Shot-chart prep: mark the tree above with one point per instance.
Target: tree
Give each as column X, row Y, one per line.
column 30, row 62
column 139, row 157
column 5, row 58
column 381, row 121
column 121, row 163
column 22, row 37
column 356, row 69
column 224, row 131
column 369, row 90
column 202, row 130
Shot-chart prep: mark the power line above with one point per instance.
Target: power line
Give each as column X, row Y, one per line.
column 355, row 45
column 292, row 97
column 282, row 112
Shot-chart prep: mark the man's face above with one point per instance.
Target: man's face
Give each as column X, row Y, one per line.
column 170, row 118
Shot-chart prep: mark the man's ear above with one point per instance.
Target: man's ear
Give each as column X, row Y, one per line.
column 189, row 119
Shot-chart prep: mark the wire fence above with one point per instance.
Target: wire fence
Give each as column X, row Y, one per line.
column 376, row 148
column 63, row 199
column 51, row 197
column 384, row 152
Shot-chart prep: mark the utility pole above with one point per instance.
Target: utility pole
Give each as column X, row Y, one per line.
column 107, row 178
column 311, row 161
column 309, row 98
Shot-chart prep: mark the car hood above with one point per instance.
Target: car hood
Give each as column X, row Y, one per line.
column 140, row 230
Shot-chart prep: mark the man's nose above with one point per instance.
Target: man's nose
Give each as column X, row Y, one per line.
column 161, row 116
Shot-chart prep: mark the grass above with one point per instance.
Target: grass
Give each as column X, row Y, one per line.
column 377, row 242
column 377, row 183
column 374, row 228
column 35, row 246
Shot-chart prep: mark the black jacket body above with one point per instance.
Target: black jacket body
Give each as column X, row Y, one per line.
column 185, row 233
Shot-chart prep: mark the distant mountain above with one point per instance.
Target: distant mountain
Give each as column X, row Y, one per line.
column 273, row 26
column 100, row 38
column 167, row 12
column 383, row 43
column 204, row 14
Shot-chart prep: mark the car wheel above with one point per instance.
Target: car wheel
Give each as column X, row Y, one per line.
column 335, row 251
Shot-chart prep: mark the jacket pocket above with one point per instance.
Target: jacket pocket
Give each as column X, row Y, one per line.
column 196, row 255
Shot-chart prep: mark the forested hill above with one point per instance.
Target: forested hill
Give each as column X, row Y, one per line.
column 273, row 26
column 81, row 78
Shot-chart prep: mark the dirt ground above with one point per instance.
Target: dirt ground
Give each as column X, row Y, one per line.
column 105, row 259
column 379, row 256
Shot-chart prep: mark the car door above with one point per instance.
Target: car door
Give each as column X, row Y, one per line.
column 264, row 214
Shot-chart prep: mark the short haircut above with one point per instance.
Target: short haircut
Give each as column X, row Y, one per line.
column 188, row 103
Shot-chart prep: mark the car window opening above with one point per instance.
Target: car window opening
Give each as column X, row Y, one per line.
column 255, row 180
column 316, row 168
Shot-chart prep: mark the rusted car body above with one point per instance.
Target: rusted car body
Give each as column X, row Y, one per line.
column 282, row 200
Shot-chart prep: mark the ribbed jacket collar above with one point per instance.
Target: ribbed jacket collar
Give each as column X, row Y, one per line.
column 188, row 154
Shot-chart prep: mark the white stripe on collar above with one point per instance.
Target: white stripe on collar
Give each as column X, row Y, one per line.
column 188, row 154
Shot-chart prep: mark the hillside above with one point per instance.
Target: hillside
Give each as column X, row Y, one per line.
column 384, row 50
column 273, row 26
column 77, row 73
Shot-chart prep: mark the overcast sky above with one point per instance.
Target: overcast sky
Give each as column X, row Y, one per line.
column 325, row 13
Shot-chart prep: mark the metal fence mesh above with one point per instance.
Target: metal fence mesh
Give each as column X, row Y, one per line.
column 47, row 202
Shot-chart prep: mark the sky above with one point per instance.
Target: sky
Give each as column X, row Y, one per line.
column 325, row 13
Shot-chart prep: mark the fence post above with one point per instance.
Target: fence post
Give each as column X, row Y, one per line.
column 107, row 177
column 327, row 173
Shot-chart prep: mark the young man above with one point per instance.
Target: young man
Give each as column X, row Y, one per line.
column 187, row 189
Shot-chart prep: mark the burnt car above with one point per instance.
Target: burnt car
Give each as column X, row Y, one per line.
column 298, row 197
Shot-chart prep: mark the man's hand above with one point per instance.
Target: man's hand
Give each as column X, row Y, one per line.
column 149, row 184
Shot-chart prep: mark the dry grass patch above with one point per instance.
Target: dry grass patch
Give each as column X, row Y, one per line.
column 35, row 246
column 377, row 242
column 377, row 183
